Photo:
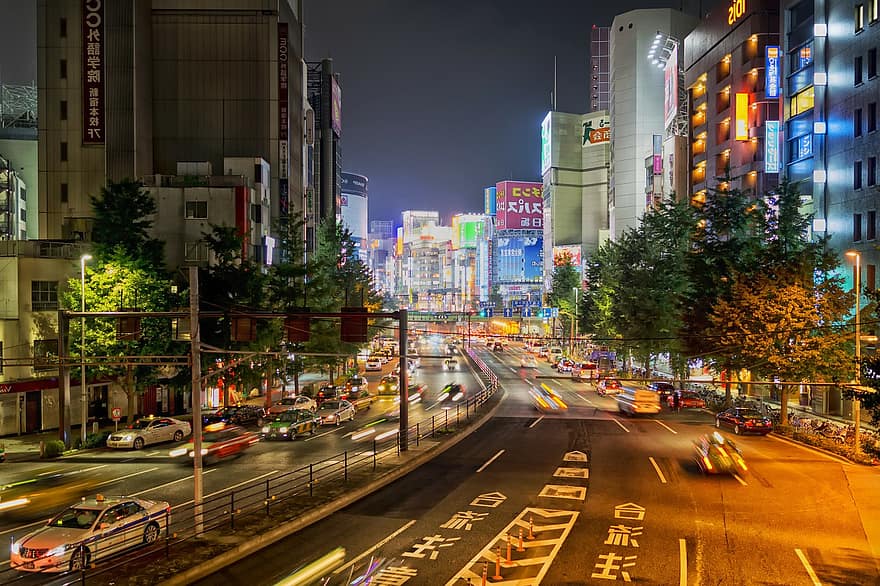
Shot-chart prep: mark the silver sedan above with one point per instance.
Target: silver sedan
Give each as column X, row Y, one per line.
column 335, row 412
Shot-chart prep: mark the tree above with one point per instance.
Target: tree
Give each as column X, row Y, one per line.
column 564, row 281
column 123, row 213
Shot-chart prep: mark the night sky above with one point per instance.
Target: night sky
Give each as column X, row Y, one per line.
column 440, row 98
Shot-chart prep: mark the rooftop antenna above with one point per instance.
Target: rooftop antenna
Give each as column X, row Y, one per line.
column 554, row 83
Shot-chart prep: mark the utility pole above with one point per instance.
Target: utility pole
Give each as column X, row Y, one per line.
column 196, row 395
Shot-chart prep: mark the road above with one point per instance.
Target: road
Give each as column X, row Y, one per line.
column 607, row 498
column 152, row 474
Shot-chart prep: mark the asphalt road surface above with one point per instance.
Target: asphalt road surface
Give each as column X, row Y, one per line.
column 597, row 498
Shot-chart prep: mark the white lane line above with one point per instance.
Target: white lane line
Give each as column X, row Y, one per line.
column 128, row 476
column 374, row 548
column 657, row 469
column 512, row 369
column 14, row 529
column 582, row 398
column 323, row 434
column 172, row 482
column 492, row 459
column 808, row 567
column 682, row 563
column 614, row 419
column 536, row 422
column 740, row 480
column 207, row 496
column 664, row 425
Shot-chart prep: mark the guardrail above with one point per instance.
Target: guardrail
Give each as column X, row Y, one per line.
column 262, row 497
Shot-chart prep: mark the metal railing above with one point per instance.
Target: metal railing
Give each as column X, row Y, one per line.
column 266, row 496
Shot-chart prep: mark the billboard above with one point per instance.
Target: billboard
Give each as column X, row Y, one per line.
column 489, row 201
column 545, row 144
column 93, row 71
column 519, row 259
column 741, row 116
column 352, row 183
column 519, row 205
column 283, row 121
column 597, row 129
column 469, row 233
column 670, row 87
column 771, row 146
column 657, row 154
column 335, row 107
column 567, row 254
column 771, row 67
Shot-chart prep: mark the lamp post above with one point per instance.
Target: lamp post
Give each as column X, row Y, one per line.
column 857, row 292
column 574, row 326
column 84, row 408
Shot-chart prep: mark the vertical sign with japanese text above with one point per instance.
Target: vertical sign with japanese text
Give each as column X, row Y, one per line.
column 93, row 71
column 335, row 107
column 519, row 205
column 283, row 119
column 771, row 146
column 670, row 88
column 741, row 116
column 771, row 68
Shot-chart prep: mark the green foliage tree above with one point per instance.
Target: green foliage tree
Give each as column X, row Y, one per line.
column 122, row 226
column 564, row 281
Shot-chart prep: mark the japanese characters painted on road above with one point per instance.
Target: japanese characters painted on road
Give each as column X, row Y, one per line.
column 430, row 546
column 563, row 472
column 564, row 491
column 614, row 564
column 574, row 457
column 489, row 499
column 463, row 520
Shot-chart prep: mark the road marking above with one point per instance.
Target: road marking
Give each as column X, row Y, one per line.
column 741, row 481
column 657, row 469
column 492, row 459
column 512, row 369
column 582, row 398
column 682, row 563
column 374, row 548
column 614, row 419
column 323, row 434
column 127, row 476
column 207, row 496
column 536, row 422
column 170, row 483
column 14, row 529
column 808, row 567
column 664, row 425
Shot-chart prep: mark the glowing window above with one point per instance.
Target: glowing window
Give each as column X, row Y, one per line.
column 802, row 101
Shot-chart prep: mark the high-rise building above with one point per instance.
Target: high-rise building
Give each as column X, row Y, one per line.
column 600, row 45
column 636, row 107
column 130, row 89
column 18, row 148
column 13, row 202
column 353, row 208
column 325, row 98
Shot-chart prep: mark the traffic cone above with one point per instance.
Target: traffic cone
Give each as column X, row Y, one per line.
column 531, row 535
column 521, row 546
column 497, row 575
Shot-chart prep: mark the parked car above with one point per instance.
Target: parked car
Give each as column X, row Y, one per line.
column 373, row 364
column 686, row 400
column 290, row 424
column 219, row 441
column 237, row 414
column 149, row 430
column 564, row 365
column 663, row 388
column 583, row 371
column 361, row 399
column 744, row 420
column 335, row 412
column 89, row 531
column 608, row 386
column 528, row 361
column 389, row 385
column 289, row 403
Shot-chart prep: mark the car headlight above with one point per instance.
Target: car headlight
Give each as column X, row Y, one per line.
column 127, row 437
column 266, row 429
column 58, row 550
column 283, row 430
column 393, row 387
column 177, row 452
column 14, row 548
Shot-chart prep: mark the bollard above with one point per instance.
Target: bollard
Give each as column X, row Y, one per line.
column 485, row 573
column 521, row 546
column 531, row 535
column 507, row 562
column 497, row 575
column 94, row 428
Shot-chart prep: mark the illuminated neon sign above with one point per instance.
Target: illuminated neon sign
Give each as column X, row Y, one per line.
column 735, row 11
column 741, row 116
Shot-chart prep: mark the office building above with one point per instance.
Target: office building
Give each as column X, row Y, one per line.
column 353, row 208
column 599, row 67
column 325, row 99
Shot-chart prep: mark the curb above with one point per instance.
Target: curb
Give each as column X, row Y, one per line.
column 823, row 451
column 258, row 542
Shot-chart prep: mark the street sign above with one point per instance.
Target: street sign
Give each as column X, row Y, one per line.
column 527, row 312
column 554, row 312
column 508, row 312
column 116, row 413
column 489, row 312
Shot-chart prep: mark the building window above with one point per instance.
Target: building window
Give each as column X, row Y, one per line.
column 1, row 357
column 857, row 227
column 256, row 213
column 44, row 295
column 62, row 69
column 870, row 277
column 872, row 63
column 857, row 174
column 872, row 171
column 196, row 210
column 45, row 354
column 195, row 251
column 872, row 11
column 872, row 225
column 64, row 194
column 857, row 122
column 802, row 101
column 859, row 18
column 63, row 152
column 802, row 57
column 872, row 116
column 62, row 28
column 857, row 70
column 22, row 214
column 62, row 109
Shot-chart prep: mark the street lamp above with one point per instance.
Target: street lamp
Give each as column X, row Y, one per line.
column 82, row 348
column 857, row 292
column 574, row 326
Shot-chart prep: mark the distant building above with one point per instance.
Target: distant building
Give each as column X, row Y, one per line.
column 18, row 148
column 13, row 202
column 600, row 53
column 325, row 98
column 354, row 208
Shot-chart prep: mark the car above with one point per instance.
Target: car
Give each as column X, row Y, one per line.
column 608, row 386
column 715, row 454
column 237, row 414
column 149, row 430
column 220, row 440
column 450, row 364
column 335, row 412
column 452, row 393
column 328, row 392
column 583, row 371
column 686, row 400
column 42, row 492
column 389, row 385
column 356, row 383
column 528, row 361
column 497, row 347
column 663, row 388
column 564, row 365
column 289, row 403
column 744, row 420
column 89, row 531
column 546, row 399
column 411, row 366
column 543, row 351
column 635, row 400
column 385, row 355
column 361, row 399
column 373, row 364
column 554, row 355
column 290, row 424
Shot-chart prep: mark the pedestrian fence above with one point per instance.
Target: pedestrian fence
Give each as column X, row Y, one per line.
column 260, row 497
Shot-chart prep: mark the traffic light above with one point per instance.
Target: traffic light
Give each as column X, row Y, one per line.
column 354, row 328
column 297, row 327
column 482, row 313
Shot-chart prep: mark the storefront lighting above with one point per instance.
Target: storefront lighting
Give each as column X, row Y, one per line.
column 820, row 78
column 753, row 39
column 819, row 176
column 754, row 71
column 726, row 59
column 820, row 30
column 819, row 128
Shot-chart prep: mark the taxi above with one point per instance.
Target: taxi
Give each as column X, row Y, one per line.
column 290, row 424
column 88, row 531
column 389, row 385
column 220, row 440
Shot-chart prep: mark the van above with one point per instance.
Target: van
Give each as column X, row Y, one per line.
column 638, row 401
column 554, row 354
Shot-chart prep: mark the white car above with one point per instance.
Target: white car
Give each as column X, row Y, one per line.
column 288, row 403
column 90, row 530
column 528, row 361
column 149, row 430
column 335, row 412
column 373, row 364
